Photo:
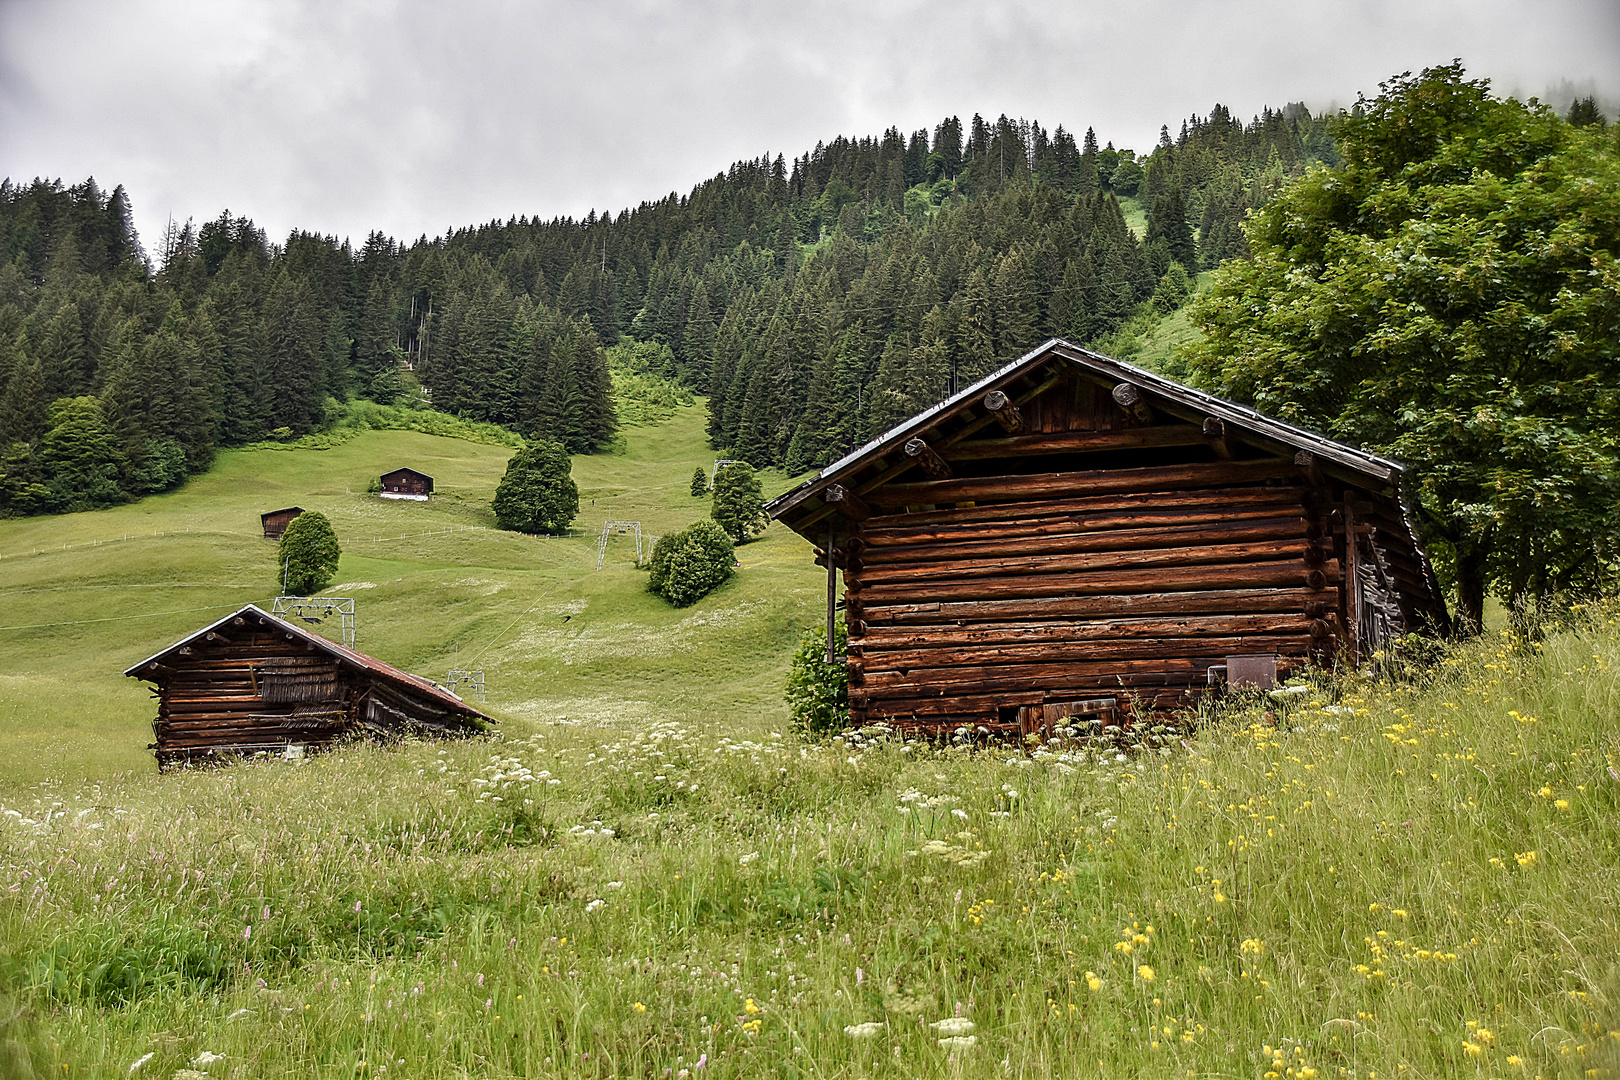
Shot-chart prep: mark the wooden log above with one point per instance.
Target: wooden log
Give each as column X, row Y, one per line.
column 1075, row 442
column 1252, row 575
column 881, row 666
column 993, row 680
column 846, row 502
column 932, row 464
column 1006, row 413
column 1096, row 481
column 878, row 618
column 902, row 636
column 1309, row 467
column 906, row 540
column 1128, row 396
column 1056, row 565
column 1215, row 437
column 1039, row 509
column 1054, row 542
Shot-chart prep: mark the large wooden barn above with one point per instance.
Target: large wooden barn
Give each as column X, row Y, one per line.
column 252, row 683
column 1075, row 536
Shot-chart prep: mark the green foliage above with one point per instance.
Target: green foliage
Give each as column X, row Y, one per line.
column 739, row 503
column 817, row 692
column 700, row 483
column 537, row 494
column 688, row 565
column 308, row 554
column 1447, row 297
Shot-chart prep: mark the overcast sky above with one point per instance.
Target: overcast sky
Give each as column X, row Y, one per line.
column 416, row 116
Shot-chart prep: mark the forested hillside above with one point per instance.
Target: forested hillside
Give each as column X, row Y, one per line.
column 816, row 301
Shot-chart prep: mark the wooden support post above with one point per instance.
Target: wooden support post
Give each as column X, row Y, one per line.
column 832, row 584
column 1215, row 436
column 846, row 502
column 1306, row 463
column 1128, row 396
column 935, row 466
column 1006, row 413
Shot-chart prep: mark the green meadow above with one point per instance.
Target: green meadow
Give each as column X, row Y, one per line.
column 646, row 873
column 556, row 637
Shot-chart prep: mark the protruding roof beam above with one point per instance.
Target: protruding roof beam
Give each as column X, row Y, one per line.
column 1215, row 436
column 1128, row 396
column 935, row 466
column 846, row 502
column 1006, row 413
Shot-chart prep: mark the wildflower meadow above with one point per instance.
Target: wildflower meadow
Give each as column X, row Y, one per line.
column 1415, row 877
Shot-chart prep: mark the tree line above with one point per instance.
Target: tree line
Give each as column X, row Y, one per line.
column 814, row 302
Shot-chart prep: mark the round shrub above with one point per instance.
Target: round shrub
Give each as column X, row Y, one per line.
column 690, row 564
column 537, row 494
column 308, row 554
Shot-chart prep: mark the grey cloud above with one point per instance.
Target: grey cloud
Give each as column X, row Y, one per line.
column 418, row 116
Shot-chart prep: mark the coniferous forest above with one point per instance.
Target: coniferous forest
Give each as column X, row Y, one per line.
column 816, row 301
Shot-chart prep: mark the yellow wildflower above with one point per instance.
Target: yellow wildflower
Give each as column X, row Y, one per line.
column 1146, row 973
column 1093, row 981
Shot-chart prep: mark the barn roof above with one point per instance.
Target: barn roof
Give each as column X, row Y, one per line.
column 1358, row 466
column 408, row 469
column 268, row 514
column 347, row 657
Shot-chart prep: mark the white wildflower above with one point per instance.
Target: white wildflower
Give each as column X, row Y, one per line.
column 868, row 1030
column 748, row 858
column 959, row 1042
column 595, row 905
column 206, row 1058
column 953, row 1025
column 614, row 885
column 142, row 1060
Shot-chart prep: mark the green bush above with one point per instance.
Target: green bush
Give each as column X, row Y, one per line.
column 308, row 554
column 818, row 692
column 739, row 504
column 537, row 494
column 691, row 564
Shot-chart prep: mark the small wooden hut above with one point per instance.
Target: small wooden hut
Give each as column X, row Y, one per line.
column 275, row 522
column 406, row 484
column 1075, row 536
column 252, row 683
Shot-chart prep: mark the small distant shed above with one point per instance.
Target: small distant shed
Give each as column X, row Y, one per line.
column 407, row 484
column 252, row 683
column 1075, row 536
column 275, row 522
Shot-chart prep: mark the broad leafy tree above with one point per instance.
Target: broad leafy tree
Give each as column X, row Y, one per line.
column 1450, row 296
column 537, row 494
column 739, row 504
column 308, row 554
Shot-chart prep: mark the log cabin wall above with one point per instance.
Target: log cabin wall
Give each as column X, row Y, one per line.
column 1066, row 545
column 248, row 689
column 251, row 683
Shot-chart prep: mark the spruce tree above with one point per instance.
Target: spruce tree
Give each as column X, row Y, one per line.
column 739, row 503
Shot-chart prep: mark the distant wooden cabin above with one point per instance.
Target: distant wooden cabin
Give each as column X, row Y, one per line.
column 252, row 683
column 275, row 522
column 406, row 484
column 1074, row 536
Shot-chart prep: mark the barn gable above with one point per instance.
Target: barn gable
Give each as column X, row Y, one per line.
column 252, row 683
column 406, row 484
column 1073, row 533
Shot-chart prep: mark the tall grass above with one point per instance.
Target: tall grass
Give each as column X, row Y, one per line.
column 1408, row 880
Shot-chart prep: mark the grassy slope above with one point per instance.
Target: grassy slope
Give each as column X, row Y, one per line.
column 493, row 599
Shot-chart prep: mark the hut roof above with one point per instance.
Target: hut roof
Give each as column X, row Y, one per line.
column 1349, row 463
column 268, row 514
column 407, row 469
column 414, row 684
